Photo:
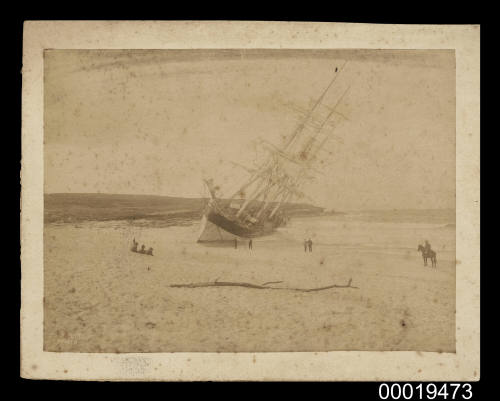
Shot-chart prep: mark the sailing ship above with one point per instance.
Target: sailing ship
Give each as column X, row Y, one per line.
column 255, row 209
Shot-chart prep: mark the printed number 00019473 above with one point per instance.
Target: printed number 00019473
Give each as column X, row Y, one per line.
column 431, row 391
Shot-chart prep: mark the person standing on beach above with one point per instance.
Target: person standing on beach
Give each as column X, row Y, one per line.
column 310, row 244
column 305, row 245
column 250, row 244
column 235, row 243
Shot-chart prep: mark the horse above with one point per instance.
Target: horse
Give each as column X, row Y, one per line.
column 428, row 254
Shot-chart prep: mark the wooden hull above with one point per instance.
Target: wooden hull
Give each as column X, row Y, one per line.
column 217, row 227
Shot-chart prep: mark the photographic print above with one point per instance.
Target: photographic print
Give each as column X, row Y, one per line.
column 262, row 201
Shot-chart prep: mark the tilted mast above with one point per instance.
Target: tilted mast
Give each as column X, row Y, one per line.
column 301, row 126
column 272, row 178
column 306, row 150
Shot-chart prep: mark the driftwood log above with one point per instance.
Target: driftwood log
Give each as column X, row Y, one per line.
column 264, row 286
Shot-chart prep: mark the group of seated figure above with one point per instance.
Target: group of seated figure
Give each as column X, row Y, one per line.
column 135, row 244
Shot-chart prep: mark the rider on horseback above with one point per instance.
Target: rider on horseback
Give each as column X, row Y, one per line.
column 427, row 247
column 427, row 252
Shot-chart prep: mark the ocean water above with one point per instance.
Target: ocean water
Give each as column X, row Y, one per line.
column 389, row 232
column 398, row 232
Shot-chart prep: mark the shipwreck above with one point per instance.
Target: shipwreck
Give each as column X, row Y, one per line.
column 255, row 209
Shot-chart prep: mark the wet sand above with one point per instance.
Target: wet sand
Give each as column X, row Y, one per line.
column 101, row 297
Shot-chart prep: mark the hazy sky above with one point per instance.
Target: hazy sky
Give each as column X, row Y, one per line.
column 157, row 122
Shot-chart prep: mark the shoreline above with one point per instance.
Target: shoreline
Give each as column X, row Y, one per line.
column 100, row 297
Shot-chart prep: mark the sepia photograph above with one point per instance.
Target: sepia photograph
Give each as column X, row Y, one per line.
column 247, row 200
column 259, row 200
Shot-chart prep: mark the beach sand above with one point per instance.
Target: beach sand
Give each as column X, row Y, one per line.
column 101, row 297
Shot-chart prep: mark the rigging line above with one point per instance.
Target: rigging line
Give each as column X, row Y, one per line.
column 333, row 110
column 310, row 145
column 282, row 187
column 329, row 136
column 282, row 154
column 256, row 193
column 301, row 126
column 248, row 169
column 287, row 195
column 254, row 177
column 285, row 191
column 258, row 173
column 272, row 182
